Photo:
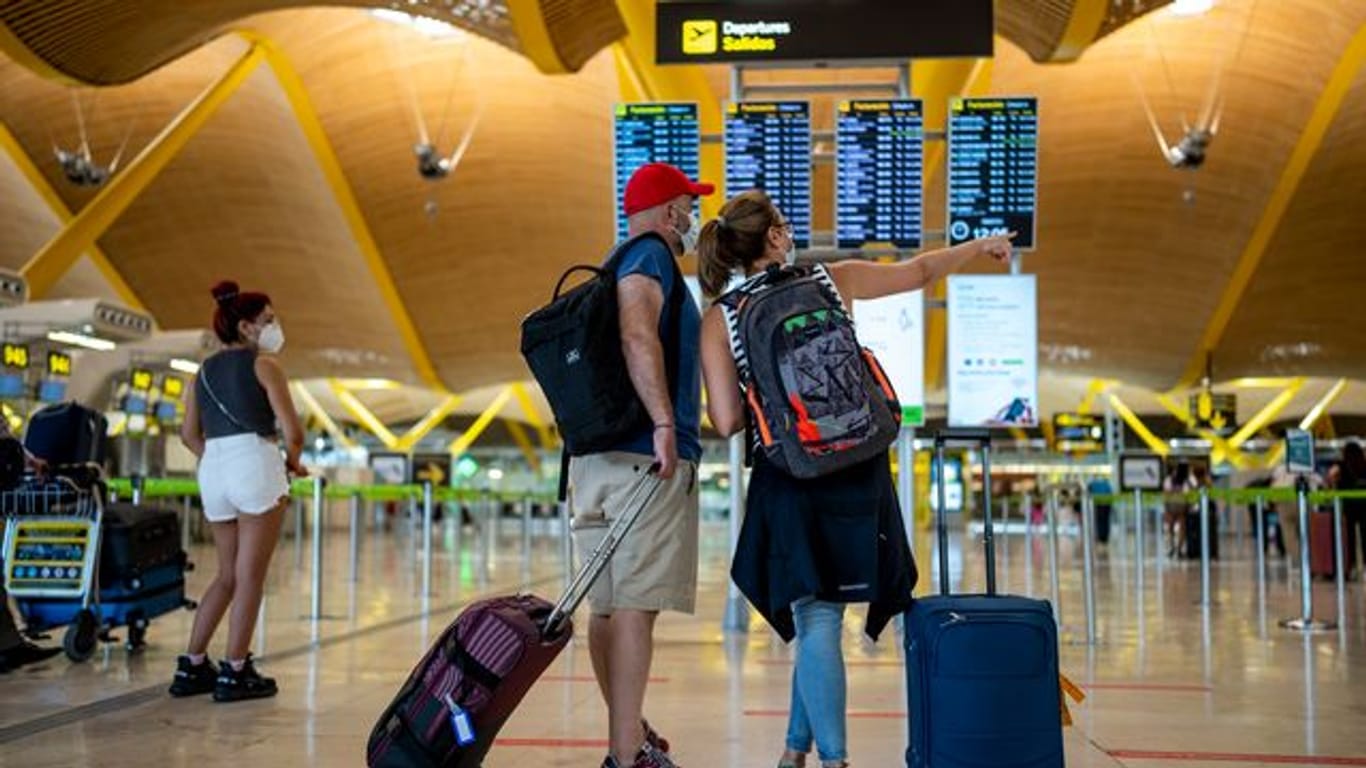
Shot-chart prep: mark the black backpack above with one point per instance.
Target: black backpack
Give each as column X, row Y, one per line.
column 573, row 347
column 817, row 400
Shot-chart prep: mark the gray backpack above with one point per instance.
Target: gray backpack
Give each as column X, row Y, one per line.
column 817, row 401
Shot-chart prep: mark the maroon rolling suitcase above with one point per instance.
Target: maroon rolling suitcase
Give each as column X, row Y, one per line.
column 1322, row 562
column 454, row 703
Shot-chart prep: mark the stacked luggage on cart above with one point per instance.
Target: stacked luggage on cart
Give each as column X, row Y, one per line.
column 72, row 558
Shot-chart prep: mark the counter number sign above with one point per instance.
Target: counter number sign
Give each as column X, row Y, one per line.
column 140, row 380
column 58, row 364
column 172, row 388
column 16, row 357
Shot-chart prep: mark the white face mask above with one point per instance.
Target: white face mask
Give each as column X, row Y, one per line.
column 272, row 338
column 791, row 256
column 689, row 236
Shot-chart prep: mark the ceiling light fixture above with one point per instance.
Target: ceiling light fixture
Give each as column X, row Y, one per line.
column 1191, row 7
column 81, row 340
column 428, row 27
column 185, row 366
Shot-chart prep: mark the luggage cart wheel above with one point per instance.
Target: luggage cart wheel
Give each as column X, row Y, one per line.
column 81, row 637
column 137, row 634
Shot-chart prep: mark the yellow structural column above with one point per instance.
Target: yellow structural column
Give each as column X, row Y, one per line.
column 429, row 422
column 47, row 267
column 330, row 165
column 1153, row 442
column 463, row 443
column 523, row 441
column 1330, row 101
column 533, row 416
column 315, row 408
column 362, row 415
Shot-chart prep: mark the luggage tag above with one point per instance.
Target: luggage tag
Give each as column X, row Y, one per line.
column 461, row 725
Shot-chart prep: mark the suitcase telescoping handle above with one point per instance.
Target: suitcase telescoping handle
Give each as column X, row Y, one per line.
column 982, row 439
column 638, row 497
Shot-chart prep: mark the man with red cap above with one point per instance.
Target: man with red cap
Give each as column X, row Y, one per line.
column 655, row 568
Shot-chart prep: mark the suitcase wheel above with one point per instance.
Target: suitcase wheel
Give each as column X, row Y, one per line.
column 137, row 633
column 81, row 637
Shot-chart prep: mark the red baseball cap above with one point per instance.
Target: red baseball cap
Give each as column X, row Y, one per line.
column 657, row 183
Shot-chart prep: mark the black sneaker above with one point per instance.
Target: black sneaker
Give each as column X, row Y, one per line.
column 193, row 679
column 23, row 654
column 242, row 684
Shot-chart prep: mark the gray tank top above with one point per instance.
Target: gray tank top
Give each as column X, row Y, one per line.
column 231, row 377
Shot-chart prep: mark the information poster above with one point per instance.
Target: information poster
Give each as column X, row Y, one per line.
column 893, row 327
column 1299, row 451
column 993, row 351
column 993, row 169
column 880, row 148
column 768, row 147
column 652, row 133
column 1141, row 472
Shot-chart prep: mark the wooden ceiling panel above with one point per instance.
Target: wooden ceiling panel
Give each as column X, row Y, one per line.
column 245, row 200
column 473, row 253
column 1301, row 312
column 1133, row 254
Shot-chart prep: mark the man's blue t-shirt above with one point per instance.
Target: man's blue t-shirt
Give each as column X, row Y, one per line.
column 652, row 258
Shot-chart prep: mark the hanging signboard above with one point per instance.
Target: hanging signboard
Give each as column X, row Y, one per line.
column 993, row 351
column 1141, row 472
column 893, row 327
column 1078, row 433
column 1215, row 411
column 740, row 31
column 434, row 467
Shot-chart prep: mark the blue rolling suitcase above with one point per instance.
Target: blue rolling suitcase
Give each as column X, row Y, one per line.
column 981, row 670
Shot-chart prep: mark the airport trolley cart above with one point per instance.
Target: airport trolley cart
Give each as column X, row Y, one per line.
column 53, row 532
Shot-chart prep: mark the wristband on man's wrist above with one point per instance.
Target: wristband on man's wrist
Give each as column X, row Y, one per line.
column 664, row 426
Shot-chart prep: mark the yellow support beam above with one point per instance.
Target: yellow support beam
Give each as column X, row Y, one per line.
column 428, row 423
column 523, row 441
column 11, row 147
column 1095, row 389
column 533, row 417
column 330, row 165
column 1273, row 409
column 645, row 80
column 363, row 415
column 1088, row 17
column 1221, row 450
column 1320, row 120
column 482, row 423
column 56, row 257
column 315, row 408
column 533, row 36
column 1322, row 406
column 1136, row 424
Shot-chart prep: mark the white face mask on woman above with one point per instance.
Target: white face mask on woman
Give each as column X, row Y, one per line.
column 272, row 338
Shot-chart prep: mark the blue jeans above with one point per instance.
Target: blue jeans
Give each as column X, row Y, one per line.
column 818, row 683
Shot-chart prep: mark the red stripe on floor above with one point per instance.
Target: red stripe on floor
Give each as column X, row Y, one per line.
column 788, row 663
column 554, row 743
column 1160, row 687
column 588, row 679
column 1232, row 757
column 852, row 714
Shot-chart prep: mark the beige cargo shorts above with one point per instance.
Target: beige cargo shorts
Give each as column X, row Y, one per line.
column 655, row 566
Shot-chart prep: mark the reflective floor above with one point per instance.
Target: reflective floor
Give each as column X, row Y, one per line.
column 1169, row 682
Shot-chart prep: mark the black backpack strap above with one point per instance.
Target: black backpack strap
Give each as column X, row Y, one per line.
column 564, row 474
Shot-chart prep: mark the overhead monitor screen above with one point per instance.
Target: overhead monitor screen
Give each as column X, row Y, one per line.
column 880, row 173
column 52, row 390
column 993, row 169
column 653, row 133
column 12, row 385
column 768, row 147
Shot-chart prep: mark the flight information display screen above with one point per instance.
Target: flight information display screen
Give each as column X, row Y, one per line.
column 653, row 133
column 993, row 169
column 880, row 157
column 768, row 147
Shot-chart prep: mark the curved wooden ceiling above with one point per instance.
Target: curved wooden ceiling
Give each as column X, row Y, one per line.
column 105, row 42
column 1133, row 257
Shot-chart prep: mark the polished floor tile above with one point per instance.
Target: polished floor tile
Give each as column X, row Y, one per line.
column 1170, row 682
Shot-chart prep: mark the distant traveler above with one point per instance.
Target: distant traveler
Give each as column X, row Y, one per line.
column 240, row 407
column 15, row 651
column 1174, row 510
column 1100, row 486
column 1350, row 475
column 810, row 546
column 655, row 568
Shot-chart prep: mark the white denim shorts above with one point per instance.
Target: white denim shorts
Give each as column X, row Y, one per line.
column 241, row 475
